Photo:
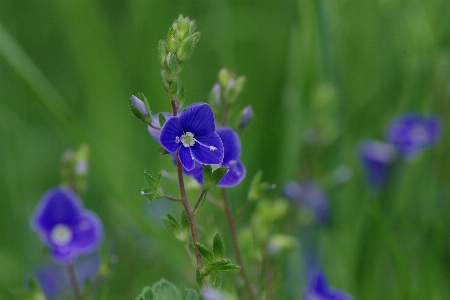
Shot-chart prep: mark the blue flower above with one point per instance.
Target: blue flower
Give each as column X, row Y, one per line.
column 412, row 132
column 308, row 194
column 65, row 226
column 318, row 288
column 377, row 159
column 232, row 153
column 193, row 135
column 54, row 280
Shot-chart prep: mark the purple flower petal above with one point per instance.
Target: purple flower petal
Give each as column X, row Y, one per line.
column 231, row 142
column 377, row 159
column 236, row 173
column 318, row 288
column 208, row 150
column 170, row 132
column 155, row 122
column 198, row 119
column 186, row 158
column 410, row 133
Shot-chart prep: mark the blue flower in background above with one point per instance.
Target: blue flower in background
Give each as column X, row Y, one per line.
column 231, row 159
column 377, row 159
column 308, row 194
column 65, row 226
column 54, row 280
column 318, row 288
column 412, row 132
column 193, row 135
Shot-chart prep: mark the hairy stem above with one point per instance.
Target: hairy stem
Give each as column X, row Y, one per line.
column 237, row 249
column 190, row 217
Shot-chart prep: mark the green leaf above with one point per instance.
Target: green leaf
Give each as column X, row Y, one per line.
column 190, row 294
column 162, row 120
column 165, row 290
column 184, row 220
column 146, row 294
column 205, row 251
column 221, row 265
column 257, row 188
column 182, row 97
column 172, row 225
column 154, row 190
column 210, row 178
column 218, row 247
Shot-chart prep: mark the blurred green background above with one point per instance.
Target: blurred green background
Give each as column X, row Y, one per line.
column 343, row 69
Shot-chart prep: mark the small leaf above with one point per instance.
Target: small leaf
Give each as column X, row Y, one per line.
column 162, row 120
column 154, row 191
column 205, row 251
column 210, row 178
column 218, row 247
column 221, row 265
column 182, row 97
column 190, row 294
column 172, row 225
column 198, row 278
column 184, row 220
column 257, row 188
column 146, row 294
column 165, row 290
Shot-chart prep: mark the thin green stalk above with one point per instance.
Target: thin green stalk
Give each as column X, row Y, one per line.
column 237, row 249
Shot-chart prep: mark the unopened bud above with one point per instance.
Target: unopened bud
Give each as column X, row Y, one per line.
column 182, row 27
column 214, row 96
column 162, row 52
column 224, row 77
column 172, row 43
column 185, row 50
column 140, row 109
column 247, row 115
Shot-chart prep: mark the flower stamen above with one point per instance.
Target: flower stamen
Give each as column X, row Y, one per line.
column 61, row 235
column 189, row 140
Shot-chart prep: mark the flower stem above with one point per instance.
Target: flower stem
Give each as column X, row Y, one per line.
column 74, row 282
column 190, row 217
column 199, row 200
column 237, row 250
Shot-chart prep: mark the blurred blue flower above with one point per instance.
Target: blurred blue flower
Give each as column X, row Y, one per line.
column 65, row 226
column 247, row 116
column 193, row 135
column 377, row 159
column 308, row 194
column 54, row 280
column 412, row 132
column 318, row 288
column 231, row 159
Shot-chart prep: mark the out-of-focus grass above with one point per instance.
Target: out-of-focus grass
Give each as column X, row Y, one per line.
column 346, row 68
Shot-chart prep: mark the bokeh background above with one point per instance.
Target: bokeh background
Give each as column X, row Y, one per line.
column 341, row 70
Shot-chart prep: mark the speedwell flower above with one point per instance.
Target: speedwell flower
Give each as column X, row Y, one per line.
column 231, row 159
column 65, row 226
column 318, row 288
column 193, row 135
column 412, row 132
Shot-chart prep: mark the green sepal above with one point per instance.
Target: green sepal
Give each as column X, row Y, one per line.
column 205, row 251
column 146, row 294
column 164, row 289
column 182, row 27
column 210, row 178
column 164, row 80
column 162, row 52
column 154, row 190
column 191, row 294
column 221, row 265
column 182, row 97
column 171, row 63
column 162, row 120
column 218, row 247
column 173, row 90
column 172, row 42
column 185, row 50
column 257, row 187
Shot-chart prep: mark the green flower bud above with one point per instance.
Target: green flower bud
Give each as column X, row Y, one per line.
column 172, row 42
column 192, row 26
column 162, row 52
column 224, row 77
column 240, row 83
column 185, row 50
column 182, row 27
column 173, row 91
column 195, row 37
column 171, row 63
column 164, row 80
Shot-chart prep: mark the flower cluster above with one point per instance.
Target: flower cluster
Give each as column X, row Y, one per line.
column 65, row 226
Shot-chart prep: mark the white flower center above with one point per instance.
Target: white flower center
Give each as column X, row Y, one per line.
column 189, row 140
column 419, row 134
column 61, row 235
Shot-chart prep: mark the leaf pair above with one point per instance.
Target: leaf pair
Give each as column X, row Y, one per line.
column 154, row 190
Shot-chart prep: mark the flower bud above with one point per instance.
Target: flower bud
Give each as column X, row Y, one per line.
column 240, row 83
column 247, row 115
column 171, row 63
column 172, row 42
column 182, row 27
column 185, row 50
column 140, row 109
column 224, row 77
column 214, row 96
column 162, row 52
